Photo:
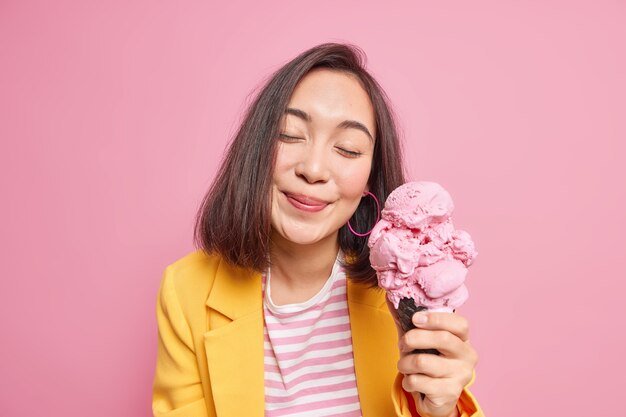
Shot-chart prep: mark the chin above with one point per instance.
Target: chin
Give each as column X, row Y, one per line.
column 303, row 236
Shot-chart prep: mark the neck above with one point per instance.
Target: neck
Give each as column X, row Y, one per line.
column 299, row 271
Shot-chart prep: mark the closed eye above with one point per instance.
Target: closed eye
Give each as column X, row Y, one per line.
column 348, row 153
column 288, row 138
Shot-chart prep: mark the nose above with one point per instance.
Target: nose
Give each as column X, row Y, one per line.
column 313, row 165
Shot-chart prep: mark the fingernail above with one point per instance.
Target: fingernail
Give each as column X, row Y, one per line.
column 420, row 318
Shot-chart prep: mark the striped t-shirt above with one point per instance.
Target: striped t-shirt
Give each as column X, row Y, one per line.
column 309, row 366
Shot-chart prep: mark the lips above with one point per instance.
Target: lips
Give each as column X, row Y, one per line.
column 306, row 203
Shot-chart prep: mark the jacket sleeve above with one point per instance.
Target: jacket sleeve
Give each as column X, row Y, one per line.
column 403, row 403
column 177, row 389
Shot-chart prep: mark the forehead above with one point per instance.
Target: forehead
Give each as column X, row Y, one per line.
column 333, row 95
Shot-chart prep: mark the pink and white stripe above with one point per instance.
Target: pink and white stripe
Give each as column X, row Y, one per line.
column 309, row 365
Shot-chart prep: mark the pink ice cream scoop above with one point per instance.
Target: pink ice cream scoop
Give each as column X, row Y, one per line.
column 419, row 257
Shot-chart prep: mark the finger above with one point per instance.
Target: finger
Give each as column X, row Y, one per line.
column 445, row 342
column 439, row 387
column 431, row 365
column 451, row 322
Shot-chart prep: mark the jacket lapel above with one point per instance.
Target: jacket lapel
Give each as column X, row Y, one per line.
column 235, row 322
column 374, row 343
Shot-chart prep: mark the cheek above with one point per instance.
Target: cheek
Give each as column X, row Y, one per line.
column 282, row 163
column 286, row 158
column 353, row 180
column 280, row 158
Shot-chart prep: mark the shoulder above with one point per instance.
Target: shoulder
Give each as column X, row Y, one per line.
column 193, row 267
column 191, row 280
column 187, row 282
column 193, row 273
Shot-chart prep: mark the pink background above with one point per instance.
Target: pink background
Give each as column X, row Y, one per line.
column 113, row 117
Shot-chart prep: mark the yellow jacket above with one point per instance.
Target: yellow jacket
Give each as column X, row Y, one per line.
column 210, row 348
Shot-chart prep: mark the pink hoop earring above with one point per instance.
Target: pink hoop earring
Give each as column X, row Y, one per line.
column 377, row 217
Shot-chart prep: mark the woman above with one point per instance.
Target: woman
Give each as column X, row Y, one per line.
column 277, row 313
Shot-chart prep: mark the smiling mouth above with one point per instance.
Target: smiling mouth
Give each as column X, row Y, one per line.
column 306, row 203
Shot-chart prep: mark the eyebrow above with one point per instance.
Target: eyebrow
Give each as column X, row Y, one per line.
column 346, row 124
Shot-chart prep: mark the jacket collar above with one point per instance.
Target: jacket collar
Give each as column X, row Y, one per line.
column 236, row 291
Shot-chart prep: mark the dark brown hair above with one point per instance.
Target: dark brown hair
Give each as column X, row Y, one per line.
column 234, row 217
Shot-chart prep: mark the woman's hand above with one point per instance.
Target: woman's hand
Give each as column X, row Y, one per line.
column 440, row 377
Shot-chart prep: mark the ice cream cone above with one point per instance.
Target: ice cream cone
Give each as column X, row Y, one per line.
column 406, row 310
column 420, row 259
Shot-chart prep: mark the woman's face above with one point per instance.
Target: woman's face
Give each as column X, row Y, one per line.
column 324, row 157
